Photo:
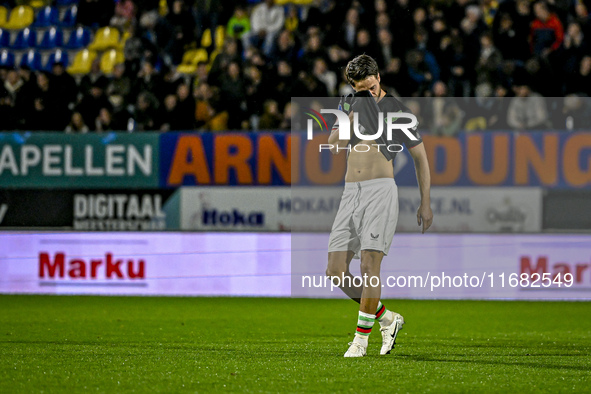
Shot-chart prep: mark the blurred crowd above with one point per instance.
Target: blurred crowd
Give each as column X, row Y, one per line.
column 520, row 50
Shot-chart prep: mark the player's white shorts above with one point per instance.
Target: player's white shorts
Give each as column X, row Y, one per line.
column 367, row 217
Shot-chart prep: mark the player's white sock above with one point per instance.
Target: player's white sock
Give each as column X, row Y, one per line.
column 383, row 315
column 364, row 325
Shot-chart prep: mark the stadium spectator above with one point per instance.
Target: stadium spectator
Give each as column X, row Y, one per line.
column 76, row 124
column 66, row 83
column 148, row 80
column 266, row 21
column 291, row 19
column 104, row 121
column 575, row 47
column 283, row 86
column 182, row 30
column 311, row 51
column 233, row 92
column 45, row 113
column 527, row 110
column 92, row 102
column 185, row 108
column 239, row 23
column 146, row 112
column 284, row 48
column 169, row 115
column 125, row 11
column 324, row 75
column 119, row 87
column 220, row 64
column 489, row 61
column 94, row 12
column 271, row 118
column 349, row 30
column 12, row 86
column 580, row 81
column 94, row 77
column 547, row 32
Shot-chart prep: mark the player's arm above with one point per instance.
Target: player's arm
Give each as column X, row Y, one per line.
column 424, row 213
column 333, row 138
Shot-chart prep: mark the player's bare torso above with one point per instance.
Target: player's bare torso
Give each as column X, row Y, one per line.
column 364, row 166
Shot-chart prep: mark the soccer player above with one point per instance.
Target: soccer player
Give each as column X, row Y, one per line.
column 366, row 220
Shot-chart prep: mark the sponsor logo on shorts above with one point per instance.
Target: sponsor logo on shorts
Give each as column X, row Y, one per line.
column 374, row 236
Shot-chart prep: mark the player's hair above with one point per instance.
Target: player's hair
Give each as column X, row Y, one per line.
column 361, row 67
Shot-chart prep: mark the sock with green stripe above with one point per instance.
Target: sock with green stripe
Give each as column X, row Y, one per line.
column 364, row 324
column 383, row 315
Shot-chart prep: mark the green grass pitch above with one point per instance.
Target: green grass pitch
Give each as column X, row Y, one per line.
column 131, row 344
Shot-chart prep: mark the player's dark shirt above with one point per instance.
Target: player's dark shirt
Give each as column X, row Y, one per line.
column 387, row 104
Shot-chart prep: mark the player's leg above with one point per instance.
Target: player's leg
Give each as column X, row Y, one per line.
column 338, row 269
column 371, row 261
column 382, row 216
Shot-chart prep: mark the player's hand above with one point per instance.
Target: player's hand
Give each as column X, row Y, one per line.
column 425, row 217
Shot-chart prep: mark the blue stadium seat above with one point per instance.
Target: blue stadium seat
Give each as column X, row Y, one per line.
column 62, row 3
column 79, row 38
column 69, row 19
column 57, row 56
column 47, row 16
column 52, row 38
column 26, row 38
column 4, row 38
column 6, row 58
column 32, row 59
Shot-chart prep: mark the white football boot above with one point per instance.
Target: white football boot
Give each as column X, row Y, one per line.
column 390, row 332
column 356, row 350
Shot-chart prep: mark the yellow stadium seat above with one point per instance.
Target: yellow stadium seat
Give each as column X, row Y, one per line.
column 190, row 60
column 3, row 15
column 163, row 8
column 82, row 62
column 110, row 59
column 283, row 2
column 220, row 34
column 20, row 17
column 206, row 39
column 213, row 55
column 39, row 3
column 105, row 38
column 121, row 43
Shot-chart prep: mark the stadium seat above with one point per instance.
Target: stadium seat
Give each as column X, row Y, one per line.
column 162, row 8
column 206, row 39
column 4, row 38
column 32, row 59
column 79, row 38
column 110, row 59
column 58, row 56
column 46, row 17
column 52, row 38
column 190, row 60
column 82, row 62
column 69, row 19
column 39, row 3
column 105, row 38
column 62, row 3
column 220, row 34
column 6, row 59
column 26, row 38
column 3, row 15
column 20, row 17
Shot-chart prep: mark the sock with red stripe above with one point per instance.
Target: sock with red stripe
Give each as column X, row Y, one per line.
column 383, row 315
column 364, row 325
